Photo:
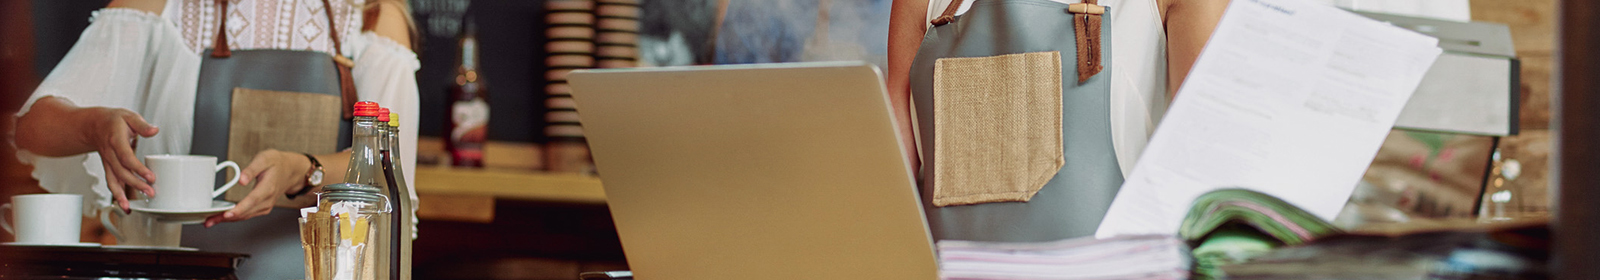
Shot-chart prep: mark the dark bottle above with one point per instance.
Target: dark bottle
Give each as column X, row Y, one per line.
column 403, row 220
column 469, row 108
column 386, row 153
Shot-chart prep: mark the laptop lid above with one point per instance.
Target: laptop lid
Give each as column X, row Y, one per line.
column 763, row 171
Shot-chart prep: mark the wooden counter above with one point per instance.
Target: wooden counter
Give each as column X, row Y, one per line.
column 510, row 184
column 469, row 194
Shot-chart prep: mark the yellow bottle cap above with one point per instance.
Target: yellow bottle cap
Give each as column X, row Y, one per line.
column 394, row 119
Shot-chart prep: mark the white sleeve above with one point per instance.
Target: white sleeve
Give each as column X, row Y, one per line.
column 123, row 57
column 385, row 72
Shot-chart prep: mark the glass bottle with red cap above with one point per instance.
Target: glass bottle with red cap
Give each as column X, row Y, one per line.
column 387, row 151
column 366, row 168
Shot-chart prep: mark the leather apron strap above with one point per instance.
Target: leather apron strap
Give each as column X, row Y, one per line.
column 347, row 85
column 1086, row 20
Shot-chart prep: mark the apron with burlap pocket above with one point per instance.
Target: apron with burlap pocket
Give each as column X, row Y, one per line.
column 249, row 100
column 1011, row 103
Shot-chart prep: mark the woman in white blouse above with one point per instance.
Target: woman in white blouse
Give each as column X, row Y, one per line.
column 98, row 99
column 132, row 78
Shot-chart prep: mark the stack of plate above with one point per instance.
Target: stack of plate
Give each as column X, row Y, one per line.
column 570, row 46
column 617, row 33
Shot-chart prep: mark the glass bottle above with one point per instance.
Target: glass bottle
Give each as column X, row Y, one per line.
column 386, row 161
column 469, row 108
column 401, row 224
column 406, row 213
column 399, row 169
column 366, row 168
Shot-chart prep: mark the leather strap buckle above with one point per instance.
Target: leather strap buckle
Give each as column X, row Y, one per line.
column 1086, row 8
column 1086, row 19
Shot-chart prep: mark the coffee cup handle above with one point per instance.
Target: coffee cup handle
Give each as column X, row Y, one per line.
column 231, row 182
column 3, row 222
column 105, row 219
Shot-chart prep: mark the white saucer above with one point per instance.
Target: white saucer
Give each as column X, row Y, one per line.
column 79, row 244
column 138, row 247
column 194, row 216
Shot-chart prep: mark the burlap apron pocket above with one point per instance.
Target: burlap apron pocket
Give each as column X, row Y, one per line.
column 999, row 127
column 283, row 120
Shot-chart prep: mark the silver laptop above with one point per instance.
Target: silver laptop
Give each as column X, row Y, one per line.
column 766, row 171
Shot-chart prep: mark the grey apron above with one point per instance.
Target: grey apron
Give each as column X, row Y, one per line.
column 1073, row 201
column 248, row 100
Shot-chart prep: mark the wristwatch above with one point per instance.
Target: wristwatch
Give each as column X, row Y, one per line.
column 313, row 177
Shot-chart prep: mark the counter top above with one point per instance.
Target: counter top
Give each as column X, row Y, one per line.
column 510, row 184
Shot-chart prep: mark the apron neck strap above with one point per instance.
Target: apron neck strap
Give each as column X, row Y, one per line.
column 949, row 13
column 347, row 86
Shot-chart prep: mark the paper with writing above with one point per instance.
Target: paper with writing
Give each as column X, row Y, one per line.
column 1290, row 98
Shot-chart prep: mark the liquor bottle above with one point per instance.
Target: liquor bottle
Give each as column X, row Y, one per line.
column 366, row 168
column 386, row 152
column 469, row 110
column 404, row 216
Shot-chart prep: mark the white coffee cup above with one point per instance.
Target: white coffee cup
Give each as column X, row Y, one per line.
column 44, row 218
column 139, row 228
column 186, row 182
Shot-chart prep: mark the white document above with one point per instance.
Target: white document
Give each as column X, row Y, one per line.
column 1290, row 98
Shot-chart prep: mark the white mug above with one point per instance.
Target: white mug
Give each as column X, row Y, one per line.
column 185, row 182
column 44, row 218
column 139, row 228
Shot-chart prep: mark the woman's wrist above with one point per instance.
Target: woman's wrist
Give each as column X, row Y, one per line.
column 312, row 177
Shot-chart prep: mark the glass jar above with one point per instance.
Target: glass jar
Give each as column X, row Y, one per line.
column 345, row 235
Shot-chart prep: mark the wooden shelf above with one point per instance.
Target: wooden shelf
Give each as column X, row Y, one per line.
column 509, row 184
column 469, row 194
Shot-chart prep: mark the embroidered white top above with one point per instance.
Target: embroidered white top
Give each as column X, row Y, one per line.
column 256, row 24
column 142, row 62
column 1138, row 72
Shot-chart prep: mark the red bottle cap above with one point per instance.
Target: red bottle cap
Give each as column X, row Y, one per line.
column 366, row 109
column 383, row 114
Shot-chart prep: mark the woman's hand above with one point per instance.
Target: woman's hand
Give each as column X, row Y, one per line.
column 56, row 128
column 274, row 173
column 113, row 132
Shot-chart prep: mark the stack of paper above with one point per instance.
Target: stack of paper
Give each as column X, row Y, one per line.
column 1122, row 257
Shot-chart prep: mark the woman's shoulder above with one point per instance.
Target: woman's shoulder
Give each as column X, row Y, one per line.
column 392, row 22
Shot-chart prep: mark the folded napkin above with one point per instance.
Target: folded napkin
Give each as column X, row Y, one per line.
column 1229, row 225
